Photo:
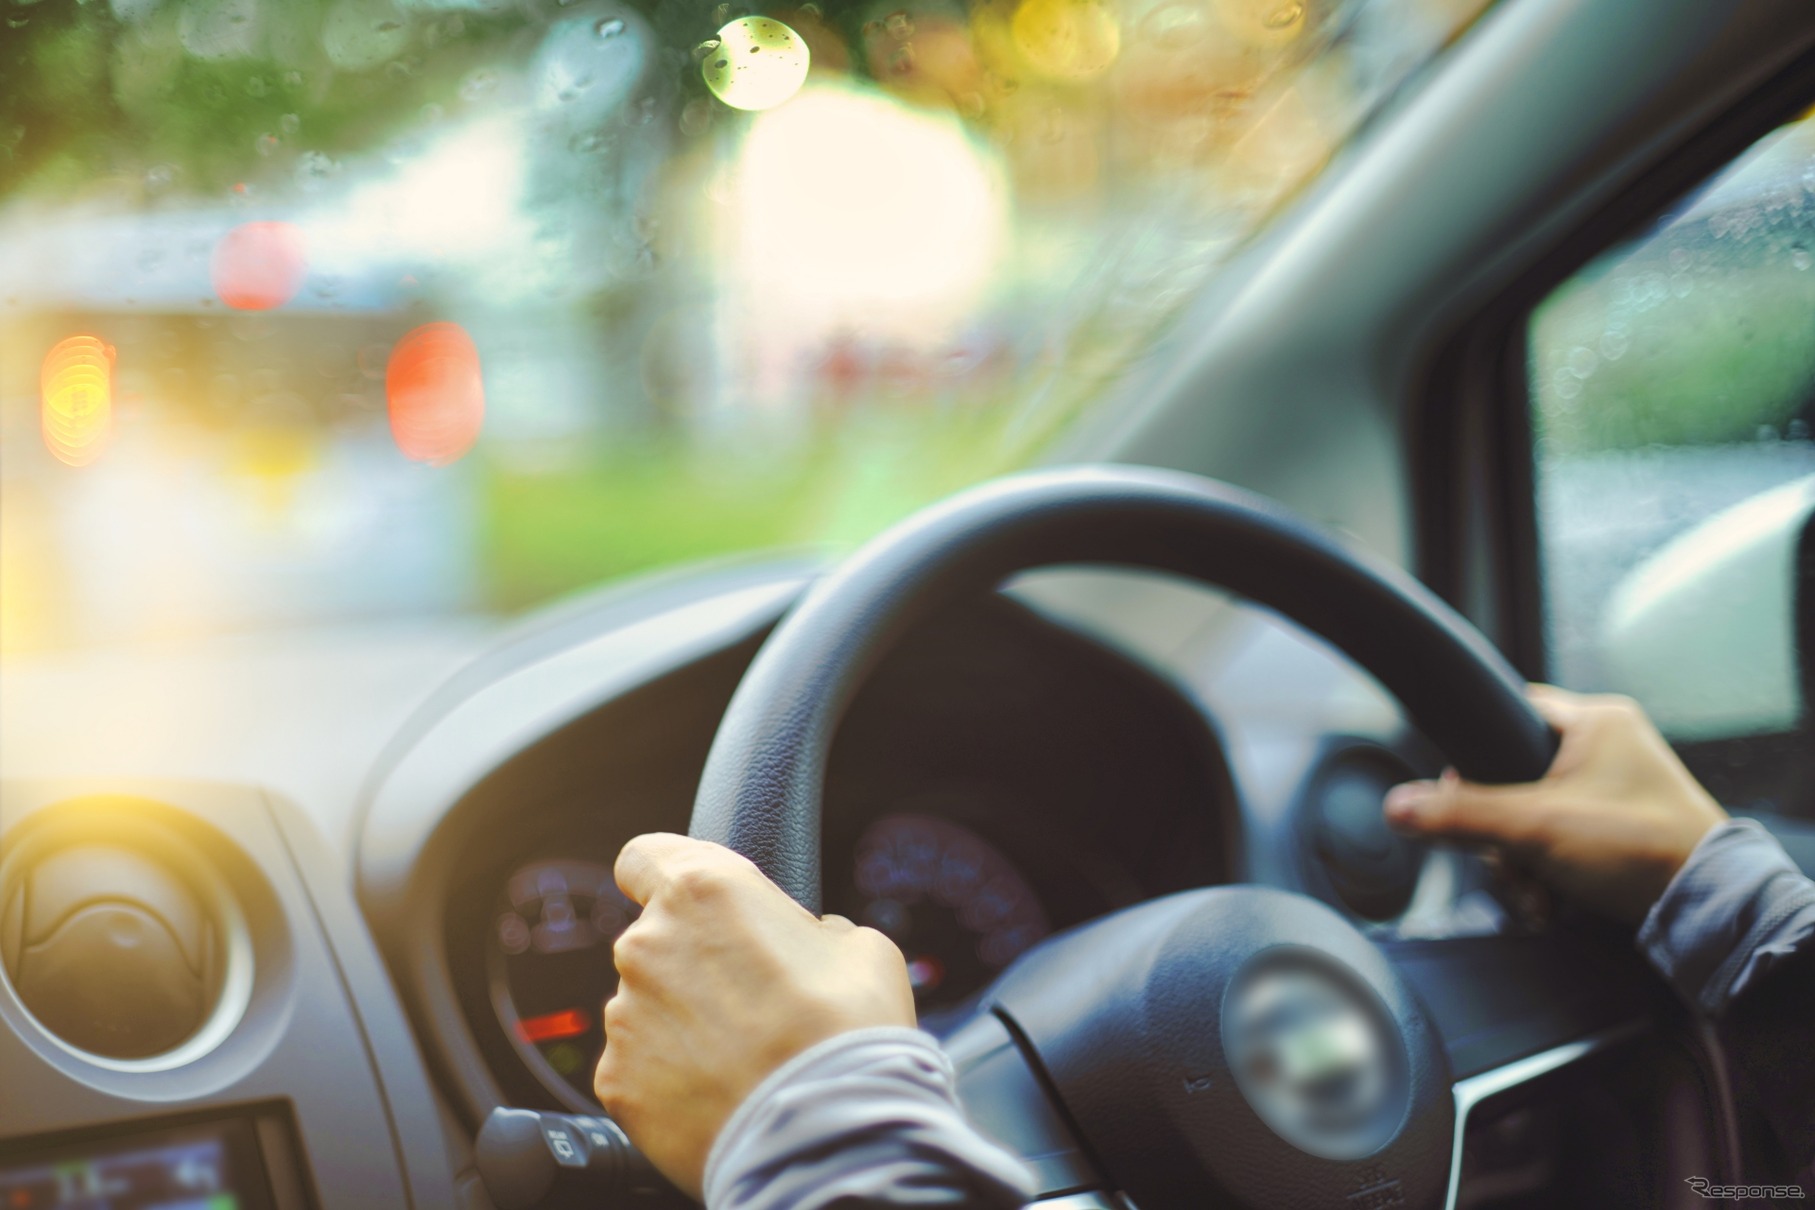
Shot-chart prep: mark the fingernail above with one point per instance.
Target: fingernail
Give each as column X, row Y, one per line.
column 1405, row 803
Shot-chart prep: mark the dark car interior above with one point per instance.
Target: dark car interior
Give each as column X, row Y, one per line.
column 1085, row 741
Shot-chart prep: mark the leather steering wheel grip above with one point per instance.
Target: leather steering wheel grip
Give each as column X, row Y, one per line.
column 761, row 789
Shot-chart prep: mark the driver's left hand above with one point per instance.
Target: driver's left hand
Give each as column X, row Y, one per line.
column 722, row 980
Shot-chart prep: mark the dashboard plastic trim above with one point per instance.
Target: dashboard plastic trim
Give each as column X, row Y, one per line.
column 1474, row 1090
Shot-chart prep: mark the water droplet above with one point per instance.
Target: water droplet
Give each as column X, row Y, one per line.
column 257, row 86
column 313, row 169
column 1284, row 17
column 1177, row 26
column 267, row 143
column 290, row 123
column 479, row 84
column 293, row 79
column 1614, row 343
column 771, row 63
column 696, row 116
column 1582, row 361
column 359, row 35
column 899, row 25
column 1800, row 260
column 610, row 27
column 704, row 49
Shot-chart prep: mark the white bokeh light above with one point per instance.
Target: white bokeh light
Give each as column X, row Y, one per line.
column 851, row 212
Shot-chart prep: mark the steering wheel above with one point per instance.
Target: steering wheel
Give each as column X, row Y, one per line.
column 1232, row 1044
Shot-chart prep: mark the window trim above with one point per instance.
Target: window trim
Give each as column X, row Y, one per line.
column 1473, row 474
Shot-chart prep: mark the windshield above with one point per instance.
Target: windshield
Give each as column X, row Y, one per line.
column 325, row 311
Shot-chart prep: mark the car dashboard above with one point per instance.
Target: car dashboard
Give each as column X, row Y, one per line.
column 1003, row 775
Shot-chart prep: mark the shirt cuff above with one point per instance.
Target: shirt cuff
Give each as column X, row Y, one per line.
column 880, row 1099
column 1738, row 905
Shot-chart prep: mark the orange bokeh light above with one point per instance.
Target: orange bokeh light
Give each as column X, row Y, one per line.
column 77, row 399
column 258, row 266
column 435, row 394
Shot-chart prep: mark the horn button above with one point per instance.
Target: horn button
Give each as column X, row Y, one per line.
column 1239, row 1046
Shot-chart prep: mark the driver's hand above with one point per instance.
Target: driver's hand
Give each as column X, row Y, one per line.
column 722, row 980
column 1609, row 825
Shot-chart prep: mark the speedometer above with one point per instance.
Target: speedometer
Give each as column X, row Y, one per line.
column 549, row 959
column 957, row 907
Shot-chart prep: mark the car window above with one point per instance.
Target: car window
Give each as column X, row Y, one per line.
column 1672, row 400
column 315, row 310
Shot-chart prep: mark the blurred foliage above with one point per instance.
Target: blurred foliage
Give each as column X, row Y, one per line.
column 1690, row 338
column 657, row 502
column 96, row 100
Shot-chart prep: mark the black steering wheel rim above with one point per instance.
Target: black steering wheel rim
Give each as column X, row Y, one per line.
column 760, row 793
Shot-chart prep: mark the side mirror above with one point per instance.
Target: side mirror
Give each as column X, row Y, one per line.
column 1715, row 631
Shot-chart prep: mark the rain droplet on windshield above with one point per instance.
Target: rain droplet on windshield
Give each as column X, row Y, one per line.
column 760, row 82
column 1283, row 17
column 313, row 168
column 479, row 84
column 610, row 27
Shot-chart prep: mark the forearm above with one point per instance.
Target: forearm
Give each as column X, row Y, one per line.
column 1735, row 934
column 868, row 1119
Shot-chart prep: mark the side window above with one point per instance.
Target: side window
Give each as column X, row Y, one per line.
column 1672, row 386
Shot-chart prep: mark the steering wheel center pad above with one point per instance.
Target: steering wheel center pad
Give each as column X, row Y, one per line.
column 1197, row 1083
column 761, row 788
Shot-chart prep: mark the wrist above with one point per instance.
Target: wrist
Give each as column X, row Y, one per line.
column 832, row 1054
column 1735, row 887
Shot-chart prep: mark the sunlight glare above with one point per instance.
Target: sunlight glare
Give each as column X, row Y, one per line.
column 854, row 211
column 462, row 198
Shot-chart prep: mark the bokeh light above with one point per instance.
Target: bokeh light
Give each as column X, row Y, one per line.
column 435, row 393
column 757, row 64
column 77, row 407
column 856, row 211
column 1067, row 39
column 258, row 266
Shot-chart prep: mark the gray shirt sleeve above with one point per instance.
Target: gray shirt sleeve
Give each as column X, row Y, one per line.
column 1737, row 908
column 865, row 1119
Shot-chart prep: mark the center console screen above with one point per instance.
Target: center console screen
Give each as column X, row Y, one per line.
column 215, row 1166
